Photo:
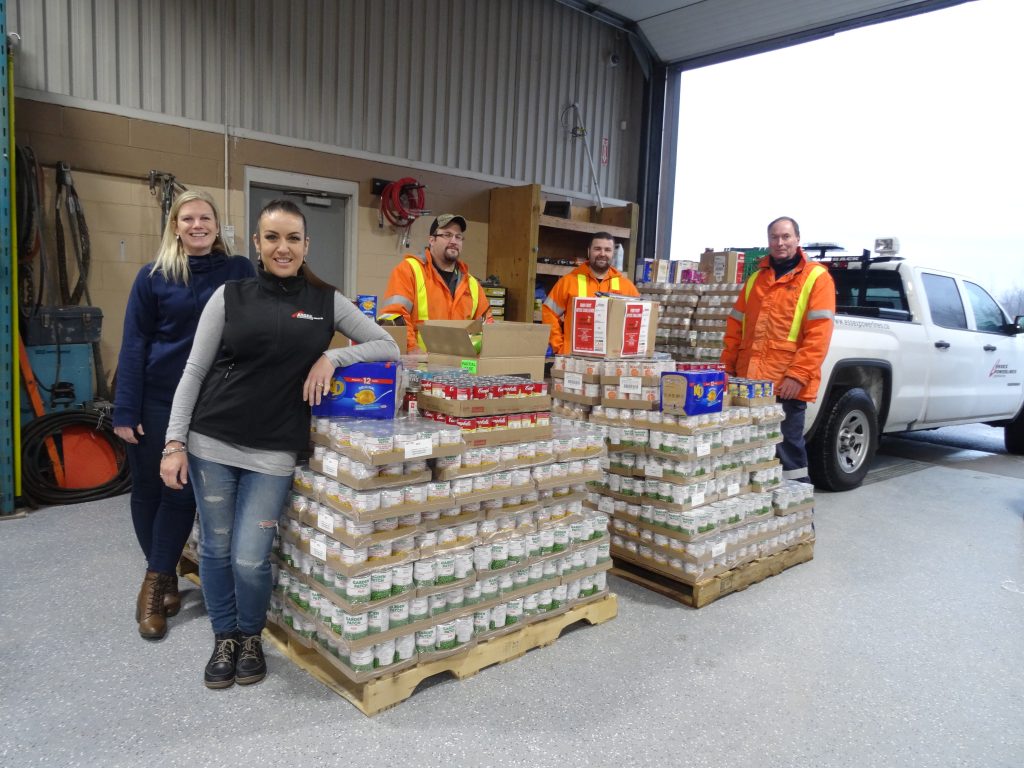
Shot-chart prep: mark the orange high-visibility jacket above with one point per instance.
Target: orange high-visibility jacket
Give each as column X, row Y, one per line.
column 417, row 292
column 782, row 328
column 580, row 282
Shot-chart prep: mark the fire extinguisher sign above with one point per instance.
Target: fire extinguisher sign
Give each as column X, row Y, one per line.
column 604, row 150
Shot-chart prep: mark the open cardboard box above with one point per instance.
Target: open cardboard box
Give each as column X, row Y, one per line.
column 507, row 348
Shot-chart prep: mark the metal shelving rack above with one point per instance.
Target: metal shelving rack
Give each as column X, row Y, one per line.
column 7, row 277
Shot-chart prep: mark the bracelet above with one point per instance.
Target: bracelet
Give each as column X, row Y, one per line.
column 168, row 451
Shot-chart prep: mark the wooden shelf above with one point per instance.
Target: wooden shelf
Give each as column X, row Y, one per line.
column 553, row 269
column 573, row 225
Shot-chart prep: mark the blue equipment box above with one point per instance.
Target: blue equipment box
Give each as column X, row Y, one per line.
column 75, row 368
column 63, row 325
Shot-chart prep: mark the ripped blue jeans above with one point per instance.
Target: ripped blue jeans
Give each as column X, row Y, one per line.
column 238, row 517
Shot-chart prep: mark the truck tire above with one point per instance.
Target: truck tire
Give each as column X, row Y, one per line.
column 1013, row 435
column 839, row 455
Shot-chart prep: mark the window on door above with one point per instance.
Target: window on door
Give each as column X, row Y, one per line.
column 944, row 301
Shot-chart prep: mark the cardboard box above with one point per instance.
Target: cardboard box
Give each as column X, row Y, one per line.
column 613, row 327
column 497, row 406
column 722, row 266
column 691, row 393
column 362, row 390
column 504, row 348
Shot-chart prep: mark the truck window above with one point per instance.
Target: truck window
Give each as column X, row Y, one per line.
column 988, row 316
column 880, row 288
column 944, row 301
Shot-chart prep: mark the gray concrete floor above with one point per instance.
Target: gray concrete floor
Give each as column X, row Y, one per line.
column 900, row 644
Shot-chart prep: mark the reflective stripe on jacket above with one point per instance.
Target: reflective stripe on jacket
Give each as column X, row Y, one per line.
column 418, row 293
column 580, row 282
column 782, row 328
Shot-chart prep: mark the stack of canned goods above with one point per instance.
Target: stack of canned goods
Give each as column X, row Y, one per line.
column 462, row 386
column 373, row 436
column 750, row 389
column 482, row 424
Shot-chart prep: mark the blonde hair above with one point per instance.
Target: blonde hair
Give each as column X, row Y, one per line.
column 171, row 258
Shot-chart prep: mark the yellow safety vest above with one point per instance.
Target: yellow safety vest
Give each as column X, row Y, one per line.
column 816, row 270
column 581, row 282
column 422, row 309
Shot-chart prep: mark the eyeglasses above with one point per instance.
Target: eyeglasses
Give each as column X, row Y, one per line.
column 458, row 238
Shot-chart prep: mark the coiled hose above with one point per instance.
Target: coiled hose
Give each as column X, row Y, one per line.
column 38, row 483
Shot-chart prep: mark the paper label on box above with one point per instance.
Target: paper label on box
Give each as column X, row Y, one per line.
column 634, row 328
column 606, row 504
column 697, row 499
column 589, row 325
column 325, row 521
column 318, row 549
column 732, row 489
column 418, row 449
column 704, row 449
column 653, row 470
column 469, row 365
column 574, row 381
column 605, row 463
column 630, row 385
column 717, row 550
column 331, row 465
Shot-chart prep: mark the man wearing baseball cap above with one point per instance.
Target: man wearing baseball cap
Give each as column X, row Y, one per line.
column 435, row 285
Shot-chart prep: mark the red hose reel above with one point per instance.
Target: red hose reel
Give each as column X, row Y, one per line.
column 402, row 201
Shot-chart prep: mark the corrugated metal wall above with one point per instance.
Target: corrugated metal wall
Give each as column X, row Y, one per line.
column 479, row 86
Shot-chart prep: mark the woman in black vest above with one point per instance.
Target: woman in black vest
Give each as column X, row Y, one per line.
column 241, row 415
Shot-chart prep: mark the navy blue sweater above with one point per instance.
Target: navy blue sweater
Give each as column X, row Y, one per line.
column 159, row 325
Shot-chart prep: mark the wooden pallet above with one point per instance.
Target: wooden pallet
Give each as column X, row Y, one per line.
column 703, row 592
column 381, row 693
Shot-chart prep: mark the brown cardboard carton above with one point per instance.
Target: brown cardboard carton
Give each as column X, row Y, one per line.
column 612, row 327
column 722, row 266
column 505, row 348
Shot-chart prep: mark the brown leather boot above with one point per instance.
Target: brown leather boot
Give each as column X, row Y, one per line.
column 149, row 607
column 172, row 600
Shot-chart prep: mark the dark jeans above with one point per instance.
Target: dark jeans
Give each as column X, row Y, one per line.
column 162, row 517
column 792, row 451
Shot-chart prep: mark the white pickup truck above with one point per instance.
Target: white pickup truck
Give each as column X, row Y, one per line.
column 913, row 348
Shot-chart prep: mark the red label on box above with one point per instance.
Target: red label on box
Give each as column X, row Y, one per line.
column 584, row 312
column 632, row 328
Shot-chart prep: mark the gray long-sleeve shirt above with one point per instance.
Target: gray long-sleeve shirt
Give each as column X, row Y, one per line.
column 375, row 344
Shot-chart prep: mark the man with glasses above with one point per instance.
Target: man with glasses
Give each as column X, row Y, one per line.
column 779, row 330
column 435, row 284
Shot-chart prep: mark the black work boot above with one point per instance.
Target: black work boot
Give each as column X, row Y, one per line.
column 220, row 669
column 252, row 666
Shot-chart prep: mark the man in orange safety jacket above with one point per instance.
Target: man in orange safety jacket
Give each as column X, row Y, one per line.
column 597, row 274
column 435, row 284
column 779, row 330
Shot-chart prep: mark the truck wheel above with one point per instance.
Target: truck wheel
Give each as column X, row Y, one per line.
column 1013, row 435
column 839, row 455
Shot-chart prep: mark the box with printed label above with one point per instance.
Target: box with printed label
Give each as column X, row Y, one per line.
column 613, row 326
column 722, row 266
column 362, row 390
column 691, row 393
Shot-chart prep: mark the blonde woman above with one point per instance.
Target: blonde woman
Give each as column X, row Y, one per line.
column 159, row 325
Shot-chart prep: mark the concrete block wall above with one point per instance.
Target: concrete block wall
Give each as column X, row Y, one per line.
column 110, row 158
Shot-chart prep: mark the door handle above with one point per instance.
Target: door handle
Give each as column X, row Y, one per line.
column 989, row 348
column 942, row 345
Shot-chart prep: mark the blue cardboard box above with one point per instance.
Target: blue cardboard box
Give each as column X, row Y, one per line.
column 363, row 391
column 691, row 393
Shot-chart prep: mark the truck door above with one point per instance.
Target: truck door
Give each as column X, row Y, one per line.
column 997, row 381
column 954, row 356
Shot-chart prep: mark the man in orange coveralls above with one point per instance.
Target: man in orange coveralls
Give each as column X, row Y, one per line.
column 780, row 329
column 597, row 274
column 435, row 284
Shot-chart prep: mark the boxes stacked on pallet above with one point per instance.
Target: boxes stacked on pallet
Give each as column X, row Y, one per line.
column 692, row 497
column 386, row 562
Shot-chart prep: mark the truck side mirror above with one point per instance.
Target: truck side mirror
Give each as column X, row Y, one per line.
column 1018, row 325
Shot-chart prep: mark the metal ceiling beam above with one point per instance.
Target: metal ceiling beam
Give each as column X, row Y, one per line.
column 818, row 33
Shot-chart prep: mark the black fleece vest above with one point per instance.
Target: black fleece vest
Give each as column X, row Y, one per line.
column 274, row 330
